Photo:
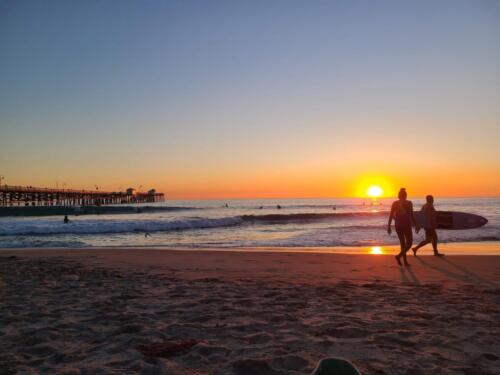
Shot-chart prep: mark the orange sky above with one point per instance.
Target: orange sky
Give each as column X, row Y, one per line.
column 290, row 182
column 305, row 100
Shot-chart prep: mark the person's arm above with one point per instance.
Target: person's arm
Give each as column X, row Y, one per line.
column 412, row 217
column 391, row 216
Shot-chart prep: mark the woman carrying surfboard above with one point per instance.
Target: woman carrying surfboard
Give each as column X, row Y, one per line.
column 402, row 213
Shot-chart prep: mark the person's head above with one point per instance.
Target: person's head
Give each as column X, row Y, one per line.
column 402, row 194
column 429, row 199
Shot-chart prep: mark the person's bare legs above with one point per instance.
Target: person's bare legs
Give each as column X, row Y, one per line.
column 402, row 244
column 409, row 241
column 405, row 240
column 422, row 243
column 435, row 245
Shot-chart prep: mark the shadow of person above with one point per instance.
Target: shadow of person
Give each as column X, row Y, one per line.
column 413, row 277
column 404, row 277
column 409, row 278
column 465, row 271
column 456, row 276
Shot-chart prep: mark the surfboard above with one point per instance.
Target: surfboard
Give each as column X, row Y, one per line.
column 451, row 220
column 335, row 366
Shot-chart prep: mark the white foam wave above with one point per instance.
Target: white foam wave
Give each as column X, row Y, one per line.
column 112, row 226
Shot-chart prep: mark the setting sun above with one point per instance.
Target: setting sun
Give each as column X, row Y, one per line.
column 375, row 191
column 376, row 250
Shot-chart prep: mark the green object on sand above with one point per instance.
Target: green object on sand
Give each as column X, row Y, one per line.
column 335, row 366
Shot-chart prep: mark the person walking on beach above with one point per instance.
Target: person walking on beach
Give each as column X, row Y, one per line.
column 402, row 213
column 430, row 229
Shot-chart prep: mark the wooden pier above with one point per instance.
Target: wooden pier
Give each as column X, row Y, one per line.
column 34, row 196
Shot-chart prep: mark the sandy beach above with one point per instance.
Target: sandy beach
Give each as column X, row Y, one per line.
column 150, row 311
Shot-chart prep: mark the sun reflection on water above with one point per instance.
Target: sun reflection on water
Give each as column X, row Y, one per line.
column 376, row 250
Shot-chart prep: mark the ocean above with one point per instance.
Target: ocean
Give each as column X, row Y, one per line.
column 242, row 223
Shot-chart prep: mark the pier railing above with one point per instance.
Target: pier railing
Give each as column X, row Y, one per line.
column 31, row 189
column 42, row 196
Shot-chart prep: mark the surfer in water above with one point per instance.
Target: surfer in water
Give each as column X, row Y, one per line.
column 430, row 232
column 402, row 213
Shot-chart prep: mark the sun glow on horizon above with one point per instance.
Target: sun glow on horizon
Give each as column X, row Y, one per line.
column 376, row 250
column 373, row 186
column 375, row 191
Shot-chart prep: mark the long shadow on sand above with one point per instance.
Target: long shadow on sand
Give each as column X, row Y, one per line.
column 465, row 271
column 412, row 276
column 465, row 276
column 407, row 276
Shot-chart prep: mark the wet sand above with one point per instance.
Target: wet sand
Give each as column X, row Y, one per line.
column 150, row 311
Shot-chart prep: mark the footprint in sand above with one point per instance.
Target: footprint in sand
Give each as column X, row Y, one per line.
column 290, row 363
column 349, row 333
column 259, row 338
column 253, row 367
column 211, row 350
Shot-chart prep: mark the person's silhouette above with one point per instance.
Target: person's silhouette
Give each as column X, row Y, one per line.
column 430, row 229
column 402, row 213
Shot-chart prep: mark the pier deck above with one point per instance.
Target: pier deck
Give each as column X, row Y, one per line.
column 35, row 196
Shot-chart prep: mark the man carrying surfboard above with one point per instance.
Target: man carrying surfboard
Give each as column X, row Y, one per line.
column 402, row 213
column 430, row 228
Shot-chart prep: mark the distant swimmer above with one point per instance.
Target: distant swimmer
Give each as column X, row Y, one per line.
column 278, row 207
column 402, row 213
column 66, row 220
column 334, row 208
column 261, row 207
column 147, row 234
column 430, row 229
column 226, row 205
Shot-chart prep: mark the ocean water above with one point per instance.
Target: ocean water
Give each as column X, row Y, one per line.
column 243, row 223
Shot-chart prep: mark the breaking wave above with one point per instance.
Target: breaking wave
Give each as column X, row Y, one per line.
column 41, row 227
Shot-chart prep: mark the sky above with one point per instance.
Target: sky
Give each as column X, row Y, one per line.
column 252, row 99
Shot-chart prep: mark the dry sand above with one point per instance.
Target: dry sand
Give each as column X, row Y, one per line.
column 208, row 312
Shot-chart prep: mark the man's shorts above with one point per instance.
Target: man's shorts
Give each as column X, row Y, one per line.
column 430, row 232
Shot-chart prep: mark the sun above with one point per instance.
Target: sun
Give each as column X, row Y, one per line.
column 374, row 191
column 374, row 187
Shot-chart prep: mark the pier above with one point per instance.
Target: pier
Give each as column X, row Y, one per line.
column 35, row 196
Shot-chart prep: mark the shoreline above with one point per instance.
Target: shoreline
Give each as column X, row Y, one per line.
column 287, row 265
column 451, row 248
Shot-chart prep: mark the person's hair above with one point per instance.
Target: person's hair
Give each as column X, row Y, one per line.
column 429, row 198
column 402, row 193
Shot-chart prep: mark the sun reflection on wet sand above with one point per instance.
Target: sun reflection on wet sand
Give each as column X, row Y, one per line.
column 376, row 250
